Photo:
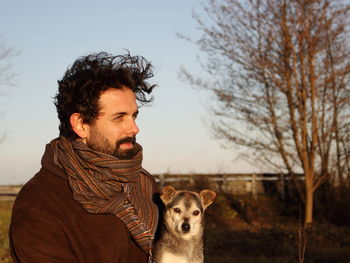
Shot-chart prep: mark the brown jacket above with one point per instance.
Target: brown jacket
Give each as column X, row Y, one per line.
column 49, row 226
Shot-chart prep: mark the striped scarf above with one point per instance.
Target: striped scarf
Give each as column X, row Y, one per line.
column 102, row 183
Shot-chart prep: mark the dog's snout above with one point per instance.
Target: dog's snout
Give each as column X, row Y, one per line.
column 185, row 227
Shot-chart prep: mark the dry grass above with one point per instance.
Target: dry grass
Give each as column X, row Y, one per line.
column 5, row 215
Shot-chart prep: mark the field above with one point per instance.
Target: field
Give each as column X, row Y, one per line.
column 262, row 235
column 5, row 214
column 252, row 232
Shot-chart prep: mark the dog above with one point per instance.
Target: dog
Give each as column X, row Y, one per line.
column 181, row 230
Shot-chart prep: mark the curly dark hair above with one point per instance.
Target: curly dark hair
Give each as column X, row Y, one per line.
column 82, row 84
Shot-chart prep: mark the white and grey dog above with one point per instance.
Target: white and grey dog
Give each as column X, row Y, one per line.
column 181, row 232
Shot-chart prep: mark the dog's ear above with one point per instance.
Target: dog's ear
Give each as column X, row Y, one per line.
column 167, row 194
column 207, row 197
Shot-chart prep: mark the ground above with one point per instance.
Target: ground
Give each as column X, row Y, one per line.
column 260, row 234
column 238, row 229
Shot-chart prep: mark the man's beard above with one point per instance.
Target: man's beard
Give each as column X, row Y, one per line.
column 98, row 142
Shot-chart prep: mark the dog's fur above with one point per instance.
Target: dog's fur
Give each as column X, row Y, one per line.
column 181, row 232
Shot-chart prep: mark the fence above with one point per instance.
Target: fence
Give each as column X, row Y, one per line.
column 9, row 192
column 234, row 183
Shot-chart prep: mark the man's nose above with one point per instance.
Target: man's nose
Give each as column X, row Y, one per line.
column 133, row 129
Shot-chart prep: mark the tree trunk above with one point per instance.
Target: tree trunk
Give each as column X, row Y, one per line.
column 309, row 200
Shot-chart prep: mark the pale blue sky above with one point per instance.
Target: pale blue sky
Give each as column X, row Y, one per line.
column 51, row 34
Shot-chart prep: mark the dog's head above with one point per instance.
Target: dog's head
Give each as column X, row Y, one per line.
column 184, row 210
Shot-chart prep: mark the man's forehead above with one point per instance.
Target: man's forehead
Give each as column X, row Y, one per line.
column 117, row 98
column 116, row 102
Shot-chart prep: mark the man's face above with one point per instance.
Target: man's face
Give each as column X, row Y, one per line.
column 114, row 130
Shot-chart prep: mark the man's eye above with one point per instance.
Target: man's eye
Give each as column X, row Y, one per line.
column 177, row 210
column 118, row 118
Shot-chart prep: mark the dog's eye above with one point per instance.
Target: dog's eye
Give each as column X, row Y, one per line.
column 196, row 213
column 177, row 210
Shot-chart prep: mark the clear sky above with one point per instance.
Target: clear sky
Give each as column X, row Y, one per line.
column 50, row 35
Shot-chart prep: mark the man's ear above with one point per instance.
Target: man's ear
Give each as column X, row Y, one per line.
column 78, row 126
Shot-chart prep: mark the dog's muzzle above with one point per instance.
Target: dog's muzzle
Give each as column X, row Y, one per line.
column 185, row 227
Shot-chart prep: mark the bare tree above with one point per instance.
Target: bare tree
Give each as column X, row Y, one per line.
column 279, row 74
column 6, row 74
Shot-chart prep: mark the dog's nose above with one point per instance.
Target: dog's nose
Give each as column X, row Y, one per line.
column 185, row 227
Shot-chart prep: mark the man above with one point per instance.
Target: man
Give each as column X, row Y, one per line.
column 91, row 201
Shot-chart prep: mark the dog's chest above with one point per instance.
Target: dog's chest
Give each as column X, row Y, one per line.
column 172, row 258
